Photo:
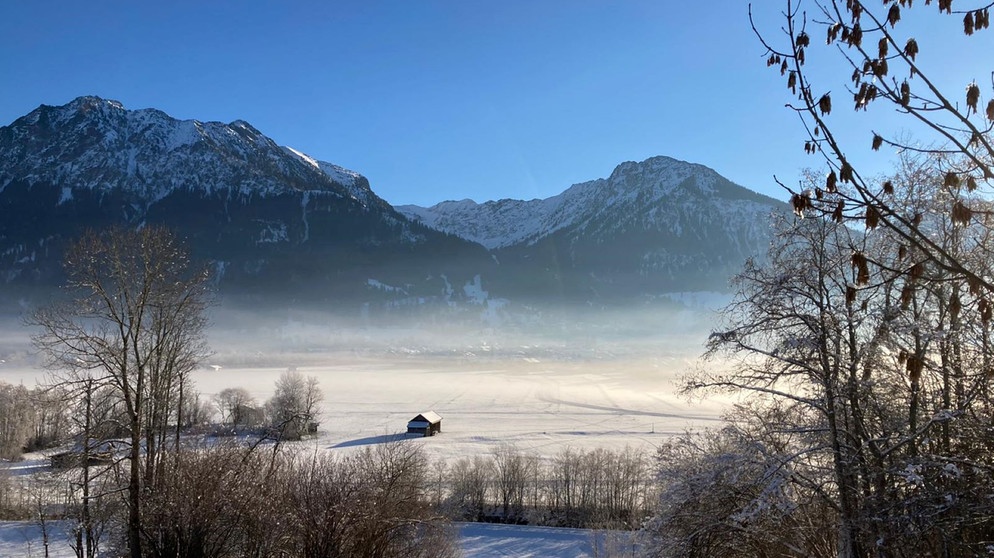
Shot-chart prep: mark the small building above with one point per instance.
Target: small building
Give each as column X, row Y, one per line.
column 425, row 424
column 246, row 415
column 102, row 454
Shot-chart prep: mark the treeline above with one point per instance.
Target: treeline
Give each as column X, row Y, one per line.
column 30, row 419
column 595, row 488
column 229, row 499
column 86, row 413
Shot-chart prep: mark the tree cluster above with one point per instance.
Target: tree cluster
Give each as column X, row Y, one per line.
column 862, row 346
column 870, row 408
column 30, row 419
column 591, row 489
column 122, row 344
column 233, row 501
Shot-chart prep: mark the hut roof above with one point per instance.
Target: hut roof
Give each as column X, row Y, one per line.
column 431, row 417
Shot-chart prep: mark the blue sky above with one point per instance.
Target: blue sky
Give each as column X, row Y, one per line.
column 432, row 100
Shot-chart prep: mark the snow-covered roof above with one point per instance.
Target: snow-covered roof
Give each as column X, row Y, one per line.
column 428, row 416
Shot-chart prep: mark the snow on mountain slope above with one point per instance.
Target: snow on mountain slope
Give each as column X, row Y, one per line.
column 653, row 227
column 278, row 222
column 93, row 143
column 494, row 224
column 638, row 195
column 355, row 183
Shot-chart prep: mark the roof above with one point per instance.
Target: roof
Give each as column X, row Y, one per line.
column 428, row 416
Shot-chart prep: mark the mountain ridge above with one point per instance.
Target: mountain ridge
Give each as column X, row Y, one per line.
column 502, row 223
column 271, row 220
column 276, row 222
column 652, row 226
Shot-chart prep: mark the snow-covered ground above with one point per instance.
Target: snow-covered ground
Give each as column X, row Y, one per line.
column 23, row 539
column 538, row 406
column 486, row 540
column 539, row 403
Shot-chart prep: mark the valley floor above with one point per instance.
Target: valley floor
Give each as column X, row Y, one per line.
column 538, row 406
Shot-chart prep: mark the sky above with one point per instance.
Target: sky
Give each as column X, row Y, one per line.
column 435, row 100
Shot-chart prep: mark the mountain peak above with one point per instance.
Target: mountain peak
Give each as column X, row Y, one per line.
column 90, row 102
column 263, row 214
column 650, row 226
column 245, row 126
column 635, row 195
column 88, row 106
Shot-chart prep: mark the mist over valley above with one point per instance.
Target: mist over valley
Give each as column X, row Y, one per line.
column 543, row 330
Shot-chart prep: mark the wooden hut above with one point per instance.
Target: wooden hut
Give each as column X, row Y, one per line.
column 425, row 424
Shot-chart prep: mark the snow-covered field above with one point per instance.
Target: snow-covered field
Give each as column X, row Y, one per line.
column 540, row 401
column 539, row 406
column 485, row 540
column 23, row 539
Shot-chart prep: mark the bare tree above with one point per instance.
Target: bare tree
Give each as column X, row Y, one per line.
column 231, row 403
column 134, row 322
column 864, row 375
column 727, row 493
column 510, row 477
column 293, row 409
column 469, row 487
column 16, row 420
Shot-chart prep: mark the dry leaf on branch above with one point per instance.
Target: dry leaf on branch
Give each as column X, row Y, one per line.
column 914, row 367
column 985, row 310
column 872, row 217
column 860, row 264
column 894, row 15
column 954, row 306
column 846, row 172
column 972, row 97
column 825, row 104
column 837, row 213
column 907, row 294
column 911, row 49
column 833, row 32
column 801, row 203
column 961, row 213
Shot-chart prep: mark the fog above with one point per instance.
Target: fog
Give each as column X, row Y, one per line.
column 588, row 378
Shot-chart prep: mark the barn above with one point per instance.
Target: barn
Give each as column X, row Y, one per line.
column 425, row 424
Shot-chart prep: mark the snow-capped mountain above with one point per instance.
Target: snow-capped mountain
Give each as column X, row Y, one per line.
column 276, row 224
column 273, row 220
column 494, row 224
column 657, row 226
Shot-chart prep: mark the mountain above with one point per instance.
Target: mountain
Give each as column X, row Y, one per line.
column 274, row 223
column 279, row 227
column 651, row 228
